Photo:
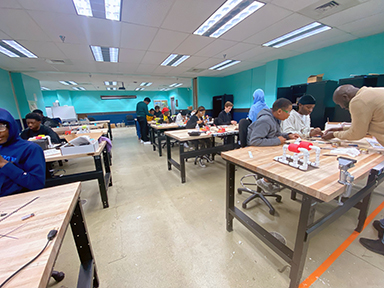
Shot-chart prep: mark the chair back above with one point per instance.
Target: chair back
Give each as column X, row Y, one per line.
column 243, row 131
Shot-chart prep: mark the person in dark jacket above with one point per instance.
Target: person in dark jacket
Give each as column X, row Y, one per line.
column 265, row 131
column 225, row 117
column 22, row 163
column 46, row 120
column 157, row 111
column 142, row 113
column 198, row 118
column 35, row 128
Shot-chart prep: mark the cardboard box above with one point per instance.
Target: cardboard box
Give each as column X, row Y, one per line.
column 71, row 150
column 315, row 78
column 113, row 125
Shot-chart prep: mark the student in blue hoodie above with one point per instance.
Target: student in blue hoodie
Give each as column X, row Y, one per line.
column 22, row 163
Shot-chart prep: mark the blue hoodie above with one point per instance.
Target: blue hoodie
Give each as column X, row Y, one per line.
column 26, row 167
column 258, row 104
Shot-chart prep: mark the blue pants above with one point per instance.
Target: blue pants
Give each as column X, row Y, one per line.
column 382, row 226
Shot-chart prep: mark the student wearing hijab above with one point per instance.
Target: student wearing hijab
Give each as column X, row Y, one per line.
column 299, row 121
column 258, row 104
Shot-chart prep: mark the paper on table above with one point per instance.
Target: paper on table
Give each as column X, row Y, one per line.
column 374, row 143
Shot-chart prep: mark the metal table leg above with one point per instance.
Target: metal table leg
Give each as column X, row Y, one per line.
column 169, row 152
column 159, row 142
column 110, row 131
column 102, row 182
column 182, row 163
column 230, row 192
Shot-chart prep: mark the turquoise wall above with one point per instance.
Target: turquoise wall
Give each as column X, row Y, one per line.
column 183, row 95
column 208, row 87
column 7, row 101
column 64, row 97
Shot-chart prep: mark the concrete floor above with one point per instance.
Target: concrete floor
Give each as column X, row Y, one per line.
column 158, row 232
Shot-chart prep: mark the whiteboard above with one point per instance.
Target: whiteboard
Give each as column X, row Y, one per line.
column 64, row 113
column 48, row 111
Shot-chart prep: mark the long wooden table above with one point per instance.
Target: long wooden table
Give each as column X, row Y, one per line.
column 156, row 132
column 54, row 208
column 316, row 185
column 183, row 137
column 104, row 179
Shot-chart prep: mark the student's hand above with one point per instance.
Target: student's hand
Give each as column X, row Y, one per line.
column 333, row 129
column 233, row 122
column 282, row 139
column 293, row 136
column 328, row 135
column 316, row 132
column 2, row 162
column 199, row 121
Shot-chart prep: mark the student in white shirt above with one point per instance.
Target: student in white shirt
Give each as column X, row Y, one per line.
column 299, row 121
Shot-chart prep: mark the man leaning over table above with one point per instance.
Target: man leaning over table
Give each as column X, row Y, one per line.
column 366, row 106
column 22, row 163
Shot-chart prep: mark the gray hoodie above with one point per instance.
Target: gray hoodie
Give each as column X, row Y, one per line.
column 265, row 130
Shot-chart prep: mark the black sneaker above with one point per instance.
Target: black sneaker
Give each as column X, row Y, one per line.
column 376, row 246
column 376, row 224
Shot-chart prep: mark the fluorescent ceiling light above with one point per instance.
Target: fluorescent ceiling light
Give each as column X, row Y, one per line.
column 105, row 54
column 139, row 89
column 113, row 83
column 165, row 89
column 104, row 9
column 231, row 13
column 68, row 82
column 175, row 84
column 146, row 84
column 13, row 49
column 224, row 64
column 174, row 60
column 298, row 34
column 81, row 88
column 44, row 88
column 75, row 88
column 111, row 88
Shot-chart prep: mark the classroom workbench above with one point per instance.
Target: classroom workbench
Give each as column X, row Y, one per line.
column 54, row 208
column 316, row 185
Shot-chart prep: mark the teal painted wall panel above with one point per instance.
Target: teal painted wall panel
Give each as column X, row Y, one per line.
column 17, row 80
column 64, row 97
column 7, row 101
column 359, row 57
column 240, row 86
column 208, row 87
column 49, row 97
column 32, row 90
column 183, row 95
column 271, row 75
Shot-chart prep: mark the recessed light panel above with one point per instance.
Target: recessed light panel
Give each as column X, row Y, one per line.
column 104, row 9
column 174, row 60
column 139, row 89
column 13, row 49
column 68, row 82
column 146, row 84
column 224, row 64
column 105, row 54
column 110, row 83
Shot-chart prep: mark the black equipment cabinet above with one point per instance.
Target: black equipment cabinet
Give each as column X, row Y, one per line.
column 218, row 104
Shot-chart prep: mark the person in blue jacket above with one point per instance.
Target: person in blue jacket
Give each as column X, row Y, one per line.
column 258, row 104
column 22, row 163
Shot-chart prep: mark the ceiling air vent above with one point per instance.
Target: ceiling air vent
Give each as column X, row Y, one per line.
column 327, row 6
column 195, row 70
column 55, row 61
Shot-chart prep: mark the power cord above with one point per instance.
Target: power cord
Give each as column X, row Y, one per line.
column 51, row 235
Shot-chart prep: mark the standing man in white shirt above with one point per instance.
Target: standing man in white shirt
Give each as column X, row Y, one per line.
column 299, row 122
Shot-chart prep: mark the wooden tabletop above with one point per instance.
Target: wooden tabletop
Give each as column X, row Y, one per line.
column 53, row 210
column 102, row 131
column 320, row 183
column 182, row 135
column 58, row 157
column 167, row 126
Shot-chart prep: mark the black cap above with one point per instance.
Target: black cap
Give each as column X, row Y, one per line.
column 307, row 100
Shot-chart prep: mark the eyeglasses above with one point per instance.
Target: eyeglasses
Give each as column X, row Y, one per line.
column 3, row 127
column 289, row 112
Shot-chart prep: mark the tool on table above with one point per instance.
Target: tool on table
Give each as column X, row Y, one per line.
column 13, row 212
column 345, row 177
column 27, row 216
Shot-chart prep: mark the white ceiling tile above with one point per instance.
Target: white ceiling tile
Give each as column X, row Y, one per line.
column 128, row 68
column 163, row 70
column 101, row 32
column 56, row 24
column 46, row 50
column 146, row 68
column 288, row 24
column 236, row 50
column 166, row 40
column 136, row 36
column 35, row 64
column 295, row 5
column 76, row 51
column 209, row 63
column 373, row 23
column 193, row 61
column 260, row 20
column 145, row 12
column 130, row 55
column 106, row 67
column 193, row 44
column 4, row 35
column 58, row 6
column 154, row 57
column 357, row 12
column 187, row 16
column 215, row 48
column 9, row 4
column 20, row 26
column 250, row 53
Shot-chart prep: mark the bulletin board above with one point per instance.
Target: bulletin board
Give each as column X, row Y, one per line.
column 160, row 103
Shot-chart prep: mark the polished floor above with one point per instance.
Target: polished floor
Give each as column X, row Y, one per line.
column 158, row 232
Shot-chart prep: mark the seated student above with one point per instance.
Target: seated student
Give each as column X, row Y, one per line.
column 197, row 118
column 35, row 128
column 22, row 163
column 150, row 118
column 46, row 120
column 299, row 122
column 265, row 131
column 225, row 117
column 165, row 117
column 157, row 111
